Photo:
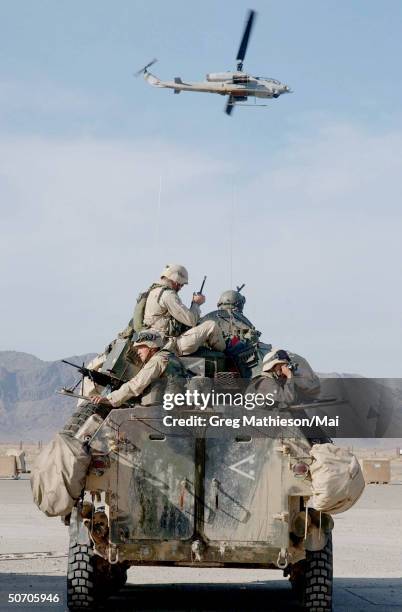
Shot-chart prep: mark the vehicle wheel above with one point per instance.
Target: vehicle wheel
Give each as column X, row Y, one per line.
column 80, row 578
column 318, row 579
column 91, row 578
column 81, row 415
column 311, row 579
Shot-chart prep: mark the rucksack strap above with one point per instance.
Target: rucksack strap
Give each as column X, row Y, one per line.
column 163, row 288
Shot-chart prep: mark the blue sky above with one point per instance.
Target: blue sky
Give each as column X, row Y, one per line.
column 342, row 59
column 305, row 193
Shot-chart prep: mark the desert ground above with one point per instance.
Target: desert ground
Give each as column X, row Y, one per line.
column 367, row 562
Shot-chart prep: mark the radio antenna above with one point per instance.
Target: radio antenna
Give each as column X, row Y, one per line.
column 231, row 227
column 158, row 215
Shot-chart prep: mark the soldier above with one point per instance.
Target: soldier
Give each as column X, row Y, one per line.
column 231, row 319
column 277, row 377
column 231, row 300
column 165, row 312
column 160, row 369
column 288, row 380
column 161, row 309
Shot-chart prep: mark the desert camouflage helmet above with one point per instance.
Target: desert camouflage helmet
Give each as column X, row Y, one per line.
column 232, row 300
column 175, row 273
column 151, row 339
column 273, row 357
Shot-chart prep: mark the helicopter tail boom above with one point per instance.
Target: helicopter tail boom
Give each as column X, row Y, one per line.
column 152, row 79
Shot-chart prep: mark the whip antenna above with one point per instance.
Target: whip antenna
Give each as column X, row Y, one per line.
column 231, row 227
column 158, row 214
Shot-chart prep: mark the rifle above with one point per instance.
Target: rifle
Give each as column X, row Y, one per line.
column 180, row 328
column 70, row 393
column 202, row 287
column 99, row 378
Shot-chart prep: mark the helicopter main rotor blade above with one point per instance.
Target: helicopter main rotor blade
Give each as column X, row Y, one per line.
column 229, row 105
column 244, row 41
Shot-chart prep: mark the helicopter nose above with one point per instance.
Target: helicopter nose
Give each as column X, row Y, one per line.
column 286, row 89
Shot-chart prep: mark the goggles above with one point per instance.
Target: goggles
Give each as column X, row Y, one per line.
column 146, row 337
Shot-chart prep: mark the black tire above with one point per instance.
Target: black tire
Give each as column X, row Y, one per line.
column 318, row 579
column 80, row 578
column 91, row 578
column 81, row 415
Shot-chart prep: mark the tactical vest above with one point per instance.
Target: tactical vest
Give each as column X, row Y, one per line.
column 172, row 327
column 139, row 310
column 233, row 323
column 172, row 381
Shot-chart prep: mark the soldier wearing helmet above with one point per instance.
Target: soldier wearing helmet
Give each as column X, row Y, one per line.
column 276, row 378
column 230, row 318
column 160, row 309
column 164, row 309
column 159, row 368
column 165, row 312
column 277, row 363
column 231, row 300
column 288, row 376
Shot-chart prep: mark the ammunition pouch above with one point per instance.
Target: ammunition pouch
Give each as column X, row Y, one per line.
column 176, row 328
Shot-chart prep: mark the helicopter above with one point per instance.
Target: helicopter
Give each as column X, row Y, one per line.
column 238, row 85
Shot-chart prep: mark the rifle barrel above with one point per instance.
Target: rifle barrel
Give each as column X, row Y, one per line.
column 72, row 394
column 202, row 284
column 72, row 364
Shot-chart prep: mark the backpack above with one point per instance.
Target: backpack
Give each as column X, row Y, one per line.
column 139, row 309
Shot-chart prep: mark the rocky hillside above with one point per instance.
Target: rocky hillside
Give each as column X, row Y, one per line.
column 30, row 409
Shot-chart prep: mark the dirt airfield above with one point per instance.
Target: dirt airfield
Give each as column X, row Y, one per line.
column 367, row 563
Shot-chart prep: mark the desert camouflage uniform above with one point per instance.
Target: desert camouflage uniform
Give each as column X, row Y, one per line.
column 230, row 318
column 164, row 312
column 162, row 370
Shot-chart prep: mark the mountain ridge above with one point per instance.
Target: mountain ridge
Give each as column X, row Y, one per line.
column 30, row 409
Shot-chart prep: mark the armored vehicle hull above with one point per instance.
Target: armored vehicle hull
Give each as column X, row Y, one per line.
column 160, row 495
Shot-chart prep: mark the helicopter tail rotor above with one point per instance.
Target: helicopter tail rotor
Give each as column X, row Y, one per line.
column 244, row 41
column 145, row 68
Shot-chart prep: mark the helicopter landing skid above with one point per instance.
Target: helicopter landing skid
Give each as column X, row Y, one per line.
column 255, row 105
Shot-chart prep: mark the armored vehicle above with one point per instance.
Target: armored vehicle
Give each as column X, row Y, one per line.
column 159, row 495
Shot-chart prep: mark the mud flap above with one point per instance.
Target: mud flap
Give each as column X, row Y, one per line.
column 78, row 531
